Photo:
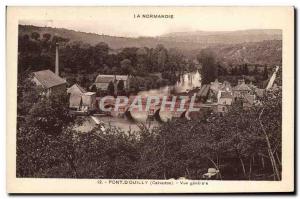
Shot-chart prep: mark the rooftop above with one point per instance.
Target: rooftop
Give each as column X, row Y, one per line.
column 89, row 93
column 242, row 87
column 204, row 90
column 70, row 90
column 48, row 79
column 110, row 78
column 249, row 98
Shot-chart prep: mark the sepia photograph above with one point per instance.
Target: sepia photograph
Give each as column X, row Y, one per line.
column 143, row 97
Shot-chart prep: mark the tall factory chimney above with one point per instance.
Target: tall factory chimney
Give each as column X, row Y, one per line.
column 56, row 60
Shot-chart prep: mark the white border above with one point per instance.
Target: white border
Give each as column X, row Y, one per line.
column 3, row 3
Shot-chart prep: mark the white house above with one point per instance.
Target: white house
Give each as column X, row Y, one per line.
column 102, row 81
column 81, row 100
column 224, row 101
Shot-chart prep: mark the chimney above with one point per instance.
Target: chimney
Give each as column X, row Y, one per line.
column 56, row 60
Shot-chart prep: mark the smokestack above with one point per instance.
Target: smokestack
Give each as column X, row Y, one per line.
column 56, row 60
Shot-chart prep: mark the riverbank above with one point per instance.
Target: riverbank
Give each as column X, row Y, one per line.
column 120, row 123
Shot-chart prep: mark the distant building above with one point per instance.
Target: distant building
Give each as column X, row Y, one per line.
column 226, row 98
column 221, row 96
column 241, row 89
column 50, row 82
column 202, row 94
column 224, row 102
column 248, row 101
column 88, row 102
column 215, row 86
column 102, row 81
column 75, row 98
column 215, row 89
column 76, row 89
column 81, row 100
column 226, row 86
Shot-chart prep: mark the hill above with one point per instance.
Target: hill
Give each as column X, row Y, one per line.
column 224, row 37
column 181, row 40
column 268, row 52
column 232, row 47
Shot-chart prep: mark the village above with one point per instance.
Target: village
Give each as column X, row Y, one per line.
column 216, row 97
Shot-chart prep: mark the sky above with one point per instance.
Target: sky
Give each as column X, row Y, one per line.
column 116, row 21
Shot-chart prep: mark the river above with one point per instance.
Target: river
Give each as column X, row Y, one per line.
column 187, row 82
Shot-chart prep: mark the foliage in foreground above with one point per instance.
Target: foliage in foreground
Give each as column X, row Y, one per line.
column 242, row 145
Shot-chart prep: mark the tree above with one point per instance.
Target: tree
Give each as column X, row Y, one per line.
column 27, row 95
column 115, row 70
column 109, row 154
column 101, row 49
column 246, row 70
column 270, row 117
column 52, row 113
column 94, row 88
column 35, row 35
column 58, row 39
column 111, row 88
column 121, row 86
column 238, row 144
column 47, row 37
column 255, row 71
column 129, row 53
column 44, row 140
column 233, row 71
column 209, row 70
column 265, row 73
column 99, row 54
column 126, row 66
column 84, row 82
column 159, row 58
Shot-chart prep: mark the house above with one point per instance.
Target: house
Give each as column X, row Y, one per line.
column 241, row 89
column 75, row 98
column 252, row 86
column 226, row 98
column 75, row 102
column 50, row 82
column 215, row 86
column 80, row 99
column 203, row 92
column 76, row 89
column 102, row 81
column 88, row 101
column 248, row 101
column 226, row 86
column 224, row 101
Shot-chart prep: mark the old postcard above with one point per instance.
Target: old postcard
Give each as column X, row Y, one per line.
column 150, row 99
